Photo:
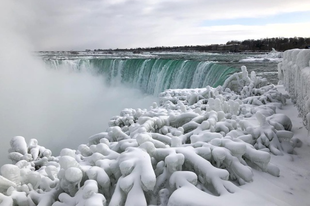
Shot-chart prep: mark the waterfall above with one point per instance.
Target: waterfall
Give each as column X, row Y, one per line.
column 151, row 76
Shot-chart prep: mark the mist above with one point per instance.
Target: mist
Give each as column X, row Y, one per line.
column 58, row 108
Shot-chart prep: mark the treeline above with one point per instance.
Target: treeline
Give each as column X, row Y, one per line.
column 250, row 45
column 279, row 44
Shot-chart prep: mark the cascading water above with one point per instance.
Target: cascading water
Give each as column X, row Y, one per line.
column 151, row 76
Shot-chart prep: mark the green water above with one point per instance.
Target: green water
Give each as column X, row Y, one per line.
column 151, row 75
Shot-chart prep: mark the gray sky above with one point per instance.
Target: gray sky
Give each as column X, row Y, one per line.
column 92, row 24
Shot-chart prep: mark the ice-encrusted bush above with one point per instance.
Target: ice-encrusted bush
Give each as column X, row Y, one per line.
column 207, row 141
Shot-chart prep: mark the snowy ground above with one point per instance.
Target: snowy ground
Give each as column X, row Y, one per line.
column 293, row 185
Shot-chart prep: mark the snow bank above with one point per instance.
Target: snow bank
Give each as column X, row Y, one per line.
column 294, row 74
column 199, row 142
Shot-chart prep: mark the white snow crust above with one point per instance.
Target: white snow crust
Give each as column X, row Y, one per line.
column 240, row 144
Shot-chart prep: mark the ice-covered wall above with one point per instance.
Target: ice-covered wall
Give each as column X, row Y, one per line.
column 294, row 74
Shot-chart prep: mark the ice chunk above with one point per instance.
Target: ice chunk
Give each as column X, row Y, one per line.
column 18, row 144
column 12, row 173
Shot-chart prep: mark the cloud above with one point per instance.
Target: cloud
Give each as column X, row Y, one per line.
column 216, row 34
column 78, row 24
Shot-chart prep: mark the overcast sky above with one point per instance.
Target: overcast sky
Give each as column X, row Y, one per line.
column 93, row 24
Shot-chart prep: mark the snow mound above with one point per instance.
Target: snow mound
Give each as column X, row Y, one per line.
column 203, row 142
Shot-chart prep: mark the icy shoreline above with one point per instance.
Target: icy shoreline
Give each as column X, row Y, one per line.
column 198, row 146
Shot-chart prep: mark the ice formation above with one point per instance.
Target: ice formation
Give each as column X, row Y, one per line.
column 206, row 141
column 272, row 56
column 294, row 74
